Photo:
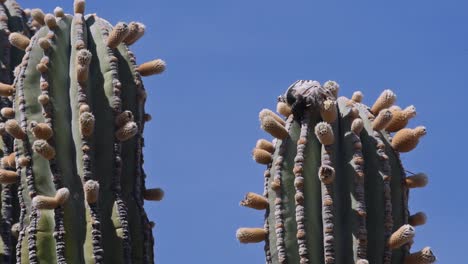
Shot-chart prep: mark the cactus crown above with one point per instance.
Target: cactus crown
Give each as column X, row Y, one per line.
column 336, row 195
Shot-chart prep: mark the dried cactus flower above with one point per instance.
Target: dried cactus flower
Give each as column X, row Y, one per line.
column 284, row 109
column 255, row 201
column 251, row 235
column 19, row 40
column 417, row 219
column 382, row 120
column 407, row 139
column 271, row 126
column 424, row 256
column 91, row 191
column 118, row 34
column 385, row 100
column 402, row 236
column 265, row 145
column 156, row 194
column 324, row 133
column 261, row 156
column 152, row 67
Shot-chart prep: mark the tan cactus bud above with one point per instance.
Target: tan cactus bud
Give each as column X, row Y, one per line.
column 324, row 133
column 402, row 236
column 41, row 130
column 386, row 99
column 58, row 12
column 357, row 97
column 42, row 68
column 43, row 99
column 152, row 67
column 9, row 161
column 6, row 89
column 284, row 109
column 271, row 126
column 44, row 202
column 123, row 118
column 83, row 57
column 127, row 131
column 44, row 43
column 333, row 87
column 44, row 149
column 15, row 229
column 251, row 235
column 262, row 156
column 87, row 121
column 82, row 73
column 425, row 256
column 84, row 108
column 13, row 128
column 329, row 111
column 407, row 139
column 8, row 177
column 118, row 34
column 147, row 117
column 400, row 117
column 38, row 16
column 79, row 6
column 267, row 112
column 8, row 112
column 265, row 145
column 416, row 181
column 417, row 219
column 62, row 195
column 156, row 194
column 357, row 126
column 255, row 201
column 135, row 32
column 50, row 21
column 326, row 174
column 91, row 191
column 382, row 120
column 23, row 161
column 362, row 261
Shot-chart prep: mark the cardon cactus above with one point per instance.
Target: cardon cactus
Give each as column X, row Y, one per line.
column 77, row 123
column 335, row 190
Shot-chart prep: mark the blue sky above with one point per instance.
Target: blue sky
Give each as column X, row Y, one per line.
column 229, row 59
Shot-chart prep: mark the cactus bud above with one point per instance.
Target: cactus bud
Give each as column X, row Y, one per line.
column 8, row 177
column 58, row 12
column 284, row 109
column 326, row 174
column 417, row 219
column 50, row 21
column 152, row 67
column 400, row 117
column 6, row 89
column 44, row 202
column 407, row 139
column 118, row 34
column 357, row 126
column 147, row 117
column 362, row 261
column 265, row 145
column 402, row 236
column 91, row 191
column 23, row 161
column 251, row 235
column 38, row 16
column 127, row 131
column 44, row 149
column 43, row 99
column 357, row 97
column 87, row 121
column 135, row 32
column 8, row 112
column 9, row 161
column 417, row 181
column 156, row 194
column 42, row 68
column 382, row 120
column 262, row 156
column 324, row 133
column 255, row 201
column 385, row 100
column 15, row 229
column 329, row 111
column 41, row 130
column 271, row 126
column 333, row 87
column 13, row 128
column 123, row 118
column 62, row 195
column 425, row 256
column 44, row 43
column 79, row 6
column 267, row 112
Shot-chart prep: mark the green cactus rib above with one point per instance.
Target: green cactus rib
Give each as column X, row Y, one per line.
column 346, row 219
column 50, row 91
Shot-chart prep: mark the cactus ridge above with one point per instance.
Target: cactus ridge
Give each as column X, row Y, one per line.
column 337, row 195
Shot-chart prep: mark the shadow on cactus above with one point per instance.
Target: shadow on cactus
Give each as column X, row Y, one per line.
column 335, row 190
column 77, row 119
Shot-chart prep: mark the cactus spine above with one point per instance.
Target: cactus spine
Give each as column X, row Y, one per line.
column 339, row 195
column 73, row 192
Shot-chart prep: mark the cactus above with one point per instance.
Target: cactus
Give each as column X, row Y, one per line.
column 77, row 118
column 335, row 190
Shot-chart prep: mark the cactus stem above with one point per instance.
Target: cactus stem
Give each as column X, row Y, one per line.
column 255, row 201
column 327, row 175
column 402, row 236
column 385, row 100
column 152, row 67
column 251, row 235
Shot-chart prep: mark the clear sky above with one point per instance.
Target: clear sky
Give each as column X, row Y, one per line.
column 229, row 59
